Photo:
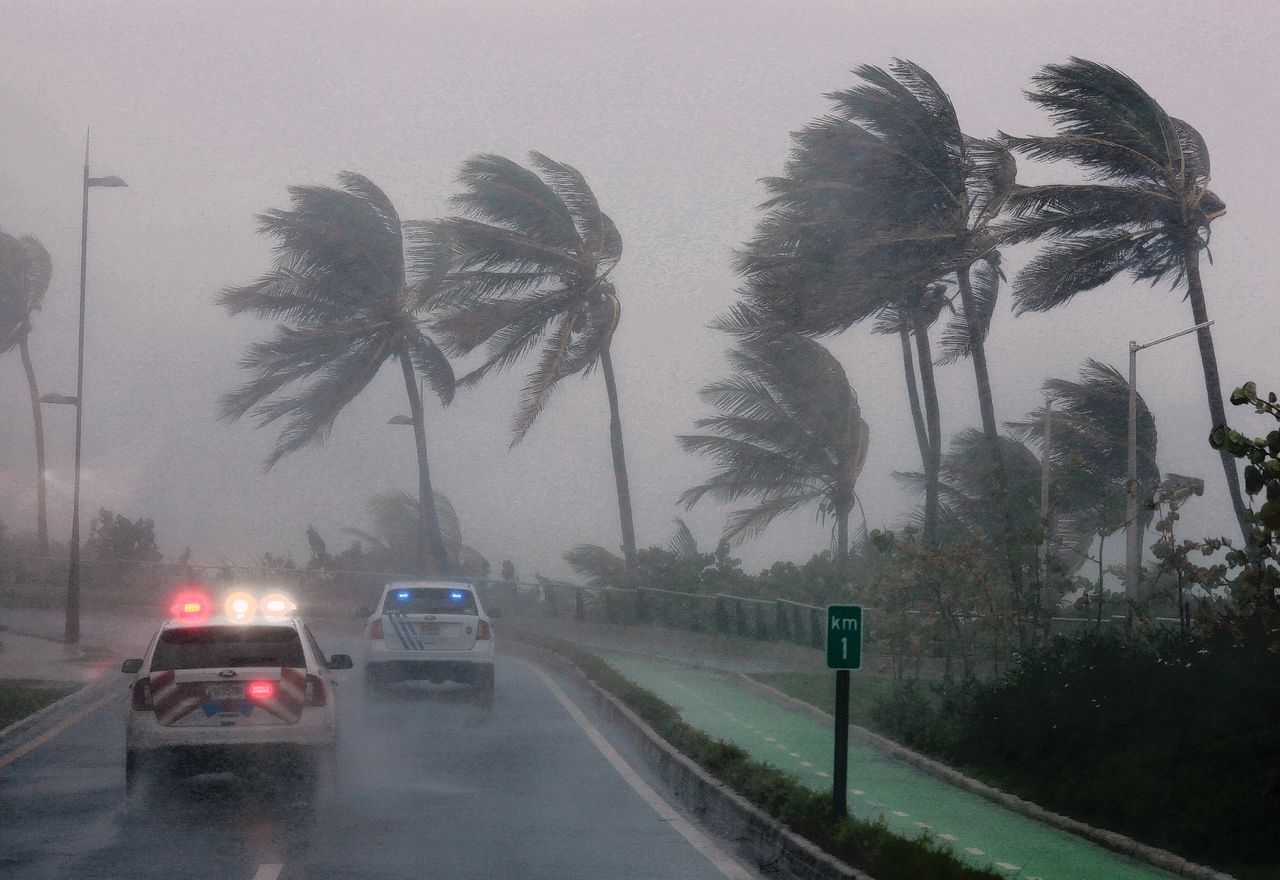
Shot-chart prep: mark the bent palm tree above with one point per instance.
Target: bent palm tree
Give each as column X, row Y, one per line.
column 885, row 194
column 393, row 536
column 789, row 432
column 533, row 255
column 346, row 307
column 1148, row 214
column 1089, row 454
column 25, row 272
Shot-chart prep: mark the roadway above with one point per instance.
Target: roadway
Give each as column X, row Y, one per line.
column 429, row 785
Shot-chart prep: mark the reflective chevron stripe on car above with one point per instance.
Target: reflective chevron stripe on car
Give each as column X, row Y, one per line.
column 405, row 631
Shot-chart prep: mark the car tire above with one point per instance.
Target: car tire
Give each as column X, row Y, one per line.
column 136, row 772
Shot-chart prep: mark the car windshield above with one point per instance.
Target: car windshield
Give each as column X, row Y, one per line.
column 429, row 600
column 210, row 647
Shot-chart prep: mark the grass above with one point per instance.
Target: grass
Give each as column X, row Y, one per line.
column 19, row 698
column 819, row 690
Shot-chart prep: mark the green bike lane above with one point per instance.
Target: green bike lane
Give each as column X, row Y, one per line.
column 910, row 801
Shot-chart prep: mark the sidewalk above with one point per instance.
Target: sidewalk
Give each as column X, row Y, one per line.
column 908, row 800
column 31, row 646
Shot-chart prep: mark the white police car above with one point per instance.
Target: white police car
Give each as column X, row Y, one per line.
column 429, row 630
column 248, row 689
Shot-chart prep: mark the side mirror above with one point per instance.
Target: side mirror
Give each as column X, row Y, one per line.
column 132, row 666
column 339, row 661
column 495, row 612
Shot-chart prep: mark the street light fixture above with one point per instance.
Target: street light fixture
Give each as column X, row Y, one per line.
column 71, row 629
column 1133, row 548
column 59, row 398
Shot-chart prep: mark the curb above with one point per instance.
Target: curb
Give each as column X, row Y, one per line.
column 84, row 695
column 763, row 841
column 1111, row 840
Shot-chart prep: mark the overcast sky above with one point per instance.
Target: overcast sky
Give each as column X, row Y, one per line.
column 673, row 111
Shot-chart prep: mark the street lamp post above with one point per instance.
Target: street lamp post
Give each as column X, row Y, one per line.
column 1133, row 536
column 71, row 630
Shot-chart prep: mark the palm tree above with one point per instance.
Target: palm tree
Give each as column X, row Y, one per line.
column 603, row 568
column 1147, row 211
column 395, row 518
column 346, row 306
column 25, row 271
column 910, row 318
column 885, row 194
column 533, row 256
column 1089, row 453
column 789, row 432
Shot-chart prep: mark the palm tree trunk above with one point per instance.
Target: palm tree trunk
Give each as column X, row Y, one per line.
column 432, row 557
column 989, row 429
column 1212, row 385
column 1102, row 542
column 619, row 463
column 934, row 463
column 842, row 535
column 913, row 395
column 42, row 524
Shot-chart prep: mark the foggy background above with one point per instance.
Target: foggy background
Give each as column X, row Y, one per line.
column 672, row 111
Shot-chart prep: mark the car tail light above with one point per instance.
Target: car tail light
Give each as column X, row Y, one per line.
column 375, row 631
column 483, row 631
column 142, row 694
column 261, row 690
column 315, row 695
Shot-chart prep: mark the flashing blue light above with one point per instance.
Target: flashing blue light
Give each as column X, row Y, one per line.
column 402, row 595
column 457, row 595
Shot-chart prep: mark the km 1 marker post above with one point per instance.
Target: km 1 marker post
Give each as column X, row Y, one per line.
column 844, row 652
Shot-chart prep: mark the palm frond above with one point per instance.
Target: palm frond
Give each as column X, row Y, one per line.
column 600, row 567
column 683, row 543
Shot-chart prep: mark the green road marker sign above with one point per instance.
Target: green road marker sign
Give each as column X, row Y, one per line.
column 844, row 636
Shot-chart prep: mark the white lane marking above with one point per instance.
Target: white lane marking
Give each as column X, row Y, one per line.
column 770, row 739
column 820, row 773
column 60, row 727
column 1007, row 866
column 900, row 814
column 950, row 838
column 806, row 763
column 268, row 872
column 857, row 791
column 794, row 754
column 924, row 825
column 699, row 841
column 973, row 850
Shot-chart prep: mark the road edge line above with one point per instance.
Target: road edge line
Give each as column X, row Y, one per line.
column 723, row 862
column 767, row 840
column 58, row 729
column 82, row 694
column 1112, row 840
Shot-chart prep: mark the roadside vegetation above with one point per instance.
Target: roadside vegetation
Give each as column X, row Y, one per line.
column 18, row 699
column 868, row 846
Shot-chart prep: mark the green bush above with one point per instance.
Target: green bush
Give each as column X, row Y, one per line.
column 869, row 846
column 1175, row 742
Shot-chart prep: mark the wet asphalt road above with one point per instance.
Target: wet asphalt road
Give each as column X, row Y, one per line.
column 429, row 784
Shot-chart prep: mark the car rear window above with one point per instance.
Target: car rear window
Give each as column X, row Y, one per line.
column 206, row 647
column 429, row 600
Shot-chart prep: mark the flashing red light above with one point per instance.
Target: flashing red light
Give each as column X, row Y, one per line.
column 261, row 690
column 190, row 605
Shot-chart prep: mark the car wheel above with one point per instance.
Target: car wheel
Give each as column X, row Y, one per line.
column 135, row 772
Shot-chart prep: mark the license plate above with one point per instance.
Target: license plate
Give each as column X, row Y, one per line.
column 429, row 629
column 225, row 691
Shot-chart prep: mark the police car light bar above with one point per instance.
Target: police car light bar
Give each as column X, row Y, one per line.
column 190, row 604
